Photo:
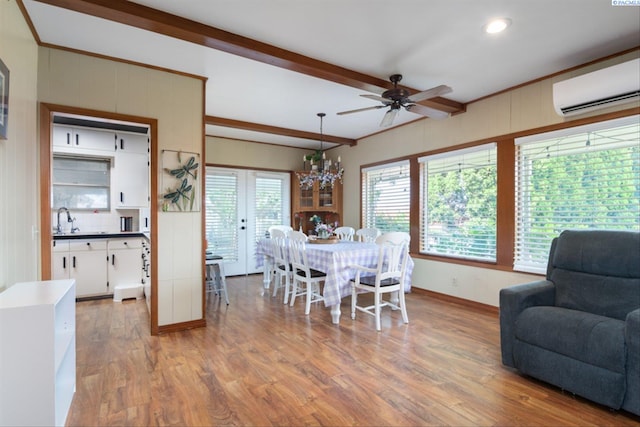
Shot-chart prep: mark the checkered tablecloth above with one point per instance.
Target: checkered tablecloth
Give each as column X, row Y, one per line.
column 336, row 260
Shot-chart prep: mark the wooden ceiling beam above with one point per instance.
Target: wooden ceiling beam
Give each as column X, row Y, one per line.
column 146, row 18
column 256, row 127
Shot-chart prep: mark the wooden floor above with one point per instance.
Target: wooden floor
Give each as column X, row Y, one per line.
column 260, row 363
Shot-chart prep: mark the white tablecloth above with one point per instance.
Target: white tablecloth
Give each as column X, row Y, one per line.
column 335, row 260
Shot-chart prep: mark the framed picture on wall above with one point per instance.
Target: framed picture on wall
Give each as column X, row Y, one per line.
column 4, row 100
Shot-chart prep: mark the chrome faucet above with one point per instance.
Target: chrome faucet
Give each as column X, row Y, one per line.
column 59, row 226
column 73, row 225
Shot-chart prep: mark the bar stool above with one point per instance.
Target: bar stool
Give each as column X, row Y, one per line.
column 216, row 280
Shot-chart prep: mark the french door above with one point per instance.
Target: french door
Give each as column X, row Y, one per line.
column 241, row 205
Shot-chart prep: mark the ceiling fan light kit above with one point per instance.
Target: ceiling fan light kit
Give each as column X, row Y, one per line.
column 324, row 171
column 397, row 98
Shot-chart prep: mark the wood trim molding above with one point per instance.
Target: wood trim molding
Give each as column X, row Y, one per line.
column 237, row 124
column 473, row 305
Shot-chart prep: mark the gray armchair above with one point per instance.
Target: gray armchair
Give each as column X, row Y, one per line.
column 580, row 328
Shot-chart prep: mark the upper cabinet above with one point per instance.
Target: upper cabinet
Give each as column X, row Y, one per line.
column 308, row 201
column 76, row 140
column 314, row 198
column 131, row 171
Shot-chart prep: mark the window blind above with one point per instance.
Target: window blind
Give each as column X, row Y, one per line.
column 386, row 197
column 585, row 177
column 269, row 204
column 458, row 203
column 221, row 214
column 81, row 183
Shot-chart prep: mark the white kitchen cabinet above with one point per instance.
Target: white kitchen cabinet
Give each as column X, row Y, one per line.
column 38, row 353
column 144, row 219
column 131, row 180
column 78, row 140
column 82, row 260
column 132, row 143
column 125, row 261
column 131, row 171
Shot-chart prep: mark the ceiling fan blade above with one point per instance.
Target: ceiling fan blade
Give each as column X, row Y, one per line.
column 378, row 98
column 427, row 111
column 360, row 109
column 389, row 117
column 430, row 93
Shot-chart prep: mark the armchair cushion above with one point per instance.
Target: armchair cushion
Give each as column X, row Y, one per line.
column 597, row 271
column 586, row 337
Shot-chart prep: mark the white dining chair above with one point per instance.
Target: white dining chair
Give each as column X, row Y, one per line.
column 386, row 278
column 284, row 228
column 306, row 280
column 344, row 233
column 367, row 234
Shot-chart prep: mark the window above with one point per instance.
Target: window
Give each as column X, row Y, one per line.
column 458, row 199
column 386, row 197
column 80, row 183
column 576, row 178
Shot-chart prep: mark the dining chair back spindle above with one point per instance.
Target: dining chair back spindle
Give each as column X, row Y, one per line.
column 281, row 266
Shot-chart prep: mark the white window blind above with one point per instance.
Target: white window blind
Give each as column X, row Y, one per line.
column 458, row 203
column 81, row 183
column 269, row 204
column 221, row 213
column 577, row 178
column 386, row 197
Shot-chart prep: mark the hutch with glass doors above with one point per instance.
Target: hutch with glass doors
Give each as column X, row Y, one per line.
column 313, row 197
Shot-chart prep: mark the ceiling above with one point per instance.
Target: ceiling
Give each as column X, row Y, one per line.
column 272, row 65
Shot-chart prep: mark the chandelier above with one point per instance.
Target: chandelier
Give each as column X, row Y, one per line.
column 325, row 171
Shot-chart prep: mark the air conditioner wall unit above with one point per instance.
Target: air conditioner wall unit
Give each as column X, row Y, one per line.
column 610, row 86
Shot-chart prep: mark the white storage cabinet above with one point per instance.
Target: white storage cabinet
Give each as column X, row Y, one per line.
column 125, row 262
column 82, row 260
column 78, row 140
column 38, row 353
column 131, row 171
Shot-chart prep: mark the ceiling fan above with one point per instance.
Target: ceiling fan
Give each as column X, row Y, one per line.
column 397, row 97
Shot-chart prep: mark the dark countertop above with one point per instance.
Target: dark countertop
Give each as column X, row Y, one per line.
column 98, row 235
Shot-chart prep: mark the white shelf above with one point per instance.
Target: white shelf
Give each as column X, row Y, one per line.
column 38, row 353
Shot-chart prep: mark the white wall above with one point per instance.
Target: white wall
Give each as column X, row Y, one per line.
column 231, row 152
column 176, row 101
column 19, row 223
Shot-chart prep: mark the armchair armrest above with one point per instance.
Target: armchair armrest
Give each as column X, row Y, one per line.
column 513, row 300
column 632, row 339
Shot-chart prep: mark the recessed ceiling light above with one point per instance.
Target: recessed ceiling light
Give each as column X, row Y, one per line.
column 497, row 25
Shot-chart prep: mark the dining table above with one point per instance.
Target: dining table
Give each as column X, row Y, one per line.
column 337, row 260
